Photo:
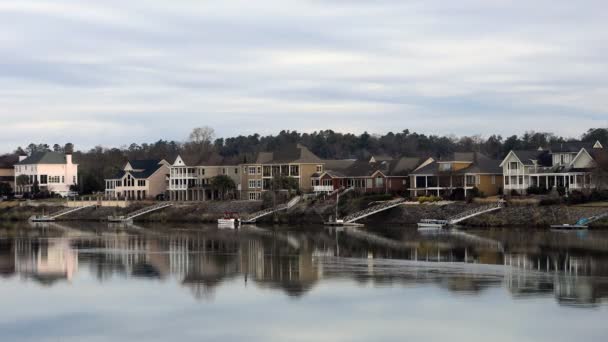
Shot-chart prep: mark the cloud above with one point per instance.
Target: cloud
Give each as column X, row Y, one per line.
column 145, row 70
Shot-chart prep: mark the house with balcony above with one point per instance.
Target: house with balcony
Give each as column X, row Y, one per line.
column 455, row 175
column 138, row 180
column 7, row 169
column 293, row 161
column 377, row 174
column 190, row 178
column 566, row 165
column 49, row 171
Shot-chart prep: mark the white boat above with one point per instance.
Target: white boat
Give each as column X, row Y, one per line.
column 228, row 223
column 432, row 224
column 568, row 227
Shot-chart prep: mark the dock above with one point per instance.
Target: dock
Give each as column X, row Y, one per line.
column 582, row 223
column 259, row 214
column 465, row 215
column 129, row 217
column 55, row 215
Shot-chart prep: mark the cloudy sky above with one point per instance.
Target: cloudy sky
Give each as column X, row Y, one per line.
column 112, row 71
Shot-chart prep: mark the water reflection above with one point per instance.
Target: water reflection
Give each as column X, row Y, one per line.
column 529, row 264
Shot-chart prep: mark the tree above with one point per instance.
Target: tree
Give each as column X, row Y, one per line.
column 222, row 184
column 22, row 181
column 5, row 189
column 202, row 135
column 68, row 148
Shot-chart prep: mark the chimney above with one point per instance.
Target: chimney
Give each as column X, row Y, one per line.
column 68, row 158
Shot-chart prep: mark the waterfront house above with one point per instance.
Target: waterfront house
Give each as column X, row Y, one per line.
column 378, row 174
column 566, row 165
column 138, row 180
column 49, row 171
column 190, row 178
column 457, row 174
column 293, row 161
column 7, row 169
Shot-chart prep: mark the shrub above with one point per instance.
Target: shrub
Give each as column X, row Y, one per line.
column 535, row 190
column 514, row 193
column 561, row 190
column 598, row 195
column 428, row 199
column 549, row 201
column 577, row 197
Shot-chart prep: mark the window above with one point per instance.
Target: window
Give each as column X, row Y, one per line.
column 252, row 183
column 202, row 171
column 254, row 196
column 506, row 180
column 562, row 159
column 521, row 180
column 294, row 170
column 62, row 179
column 236, row 170
column 470, row 180
column 368, row 183
column 224, row 171
column 259, row 170
column 74, row 179
column 445, row 167
column 513, row 166
column 251, row 170
column 141, row 182
column 493, row 180
column 44, row 179
column 319, row 168
column 379, row 181
column 259, row 183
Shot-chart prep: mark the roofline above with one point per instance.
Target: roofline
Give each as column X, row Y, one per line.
column 507, row 156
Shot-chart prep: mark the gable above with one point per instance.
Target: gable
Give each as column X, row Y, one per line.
column 511, row 157
column 597, row 144
column 582, row 160
column 128, row 167
column 179, row 161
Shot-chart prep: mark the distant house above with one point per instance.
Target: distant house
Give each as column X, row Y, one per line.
column 456, row 175
column 566, row 165
column 50, row 171
column 378, row 174
column 138, row 180
column 190, row 177
column 293, row 161
column 7, row 169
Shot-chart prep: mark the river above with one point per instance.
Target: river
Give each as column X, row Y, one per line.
column 82, row 281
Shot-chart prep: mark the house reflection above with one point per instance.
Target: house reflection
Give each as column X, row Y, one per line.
column 203, row 260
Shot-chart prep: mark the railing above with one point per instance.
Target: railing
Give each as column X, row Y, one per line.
column 257, row 215
column 373, row 210
column 323, row 188
column 475, row 212
column 139, row 212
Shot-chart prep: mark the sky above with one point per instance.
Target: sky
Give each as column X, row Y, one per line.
column 112, row 72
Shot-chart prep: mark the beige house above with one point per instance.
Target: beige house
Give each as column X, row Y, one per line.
column 294, row 161
column 190, row 178
column 138, row 180
column 51, row 171
column 7, row 169
column 457, row 174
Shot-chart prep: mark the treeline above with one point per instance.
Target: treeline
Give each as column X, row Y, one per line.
column 100, row 162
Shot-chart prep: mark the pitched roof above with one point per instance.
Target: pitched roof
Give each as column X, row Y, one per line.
column 204, row 160
column 8, row 161
column 142, row 169
column 570, row 147
column 44, row 158
column 365, row 168
column 528, row 156
column 480, row 163
column 288, row 154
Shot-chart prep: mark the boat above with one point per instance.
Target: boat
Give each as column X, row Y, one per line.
column 568, row 227
column 230, row 220
column 432, row 224
column 41, row 218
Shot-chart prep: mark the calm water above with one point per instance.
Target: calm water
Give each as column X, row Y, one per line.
column 91, row 282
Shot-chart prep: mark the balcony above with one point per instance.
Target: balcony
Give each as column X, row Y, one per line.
column 323, row 188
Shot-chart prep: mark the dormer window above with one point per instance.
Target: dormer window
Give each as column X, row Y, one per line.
column 513, row 165
column 445, row 167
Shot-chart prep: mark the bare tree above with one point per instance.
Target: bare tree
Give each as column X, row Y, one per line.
column 202, row 135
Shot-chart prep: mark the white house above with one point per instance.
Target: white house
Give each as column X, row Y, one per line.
column 138, row 180
column 51, row 171
column 567, row 165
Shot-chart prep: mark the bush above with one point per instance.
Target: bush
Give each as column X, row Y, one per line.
column 577, row 197
column 599, row 195
column 561, row 190
column 428, row 199
column 535, row 190
column 549, row 201
column 514, row 192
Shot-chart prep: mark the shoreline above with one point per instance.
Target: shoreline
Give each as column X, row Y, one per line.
column 306, row 213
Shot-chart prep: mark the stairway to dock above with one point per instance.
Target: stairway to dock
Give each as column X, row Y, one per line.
column 258, row 215
column 130, row 216
column 373, row 210
column 587, row 220
column 63, row 212
column 465, row 215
